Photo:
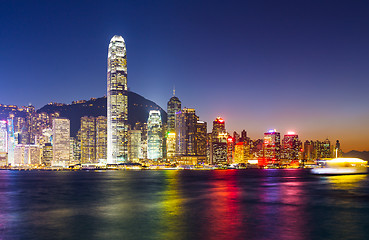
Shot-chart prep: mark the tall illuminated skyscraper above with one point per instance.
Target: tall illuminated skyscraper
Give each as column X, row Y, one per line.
column 154, row 135
column 272, row 146
column 219, row 142
column 61, row 142
column 117, row 102
column 174, row 106
column 88, row 140
column 3, row 137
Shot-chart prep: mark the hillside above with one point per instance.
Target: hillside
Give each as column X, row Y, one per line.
column 138, row 110
column 357, row 154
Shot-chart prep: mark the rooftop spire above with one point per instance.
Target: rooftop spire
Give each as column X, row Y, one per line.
column 174, row 90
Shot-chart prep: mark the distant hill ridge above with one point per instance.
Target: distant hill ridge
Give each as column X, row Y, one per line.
column 357, row 154
column 138, row 110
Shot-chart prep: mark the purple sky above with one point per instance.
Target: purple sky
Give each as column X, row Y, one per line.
column 289, row 65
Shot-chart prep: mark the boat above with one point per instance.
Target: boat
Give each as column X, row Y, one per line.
column 341, row 166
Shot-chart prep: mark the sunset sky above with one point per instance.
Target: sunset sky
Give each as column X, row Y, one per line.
column 288, row 65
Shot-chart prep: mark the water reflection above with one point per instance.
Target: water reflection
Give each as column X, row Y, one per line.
column 223, row 209
column 171, row 218
column 346, row 182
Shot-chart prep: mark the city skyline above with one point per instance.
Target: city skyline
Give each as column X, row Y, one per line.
column 293, row 76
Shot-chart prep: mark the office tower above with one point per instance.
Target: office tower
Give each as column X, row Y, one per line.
column 32, row 155
column 290, row 146
column 186, row 121
column 117, row 102
column 11, row 140
column 272, row 146
column 101, row 138
column 256, row 148
column 241, row 152
column 3, row 137
column 236, row 137
column 171, row 145
column 143, row 128
column 337, row 150
column 219, row 142
column 88, row 140
column 18, row 158
column 174, row 106
column 47, row 154
column 61, row 142
column 154, row 135
column 134, row 145
column 201, row 138
column 230, row 149
column 309, row 151
column 244, row 137
column 323, row 149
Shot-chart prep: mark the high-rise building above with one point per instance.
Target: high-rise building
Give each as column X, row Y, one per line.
column 88, row 140
column 154, row 135
column 290, row 146
column 101, row 137
column 174, row 106
column 61, row 141
column 171, row 145
column 309, row 151
column 143, row 129
column 323, row 149
column 32, row 155
column 3, row 137
column 11, row 140
column 200, row 138
column 47, row 154
column 219, row 142
column 241, row 152
column 186, row 121
column 272, row 146
column 117, row 102
column 134, row 145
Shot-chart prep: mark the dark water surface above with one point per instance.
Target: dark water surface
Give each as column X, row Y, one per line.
column 220, row 204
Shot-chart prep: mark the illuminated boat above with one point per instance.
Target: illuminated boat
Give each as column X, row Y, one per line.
column 341, row 166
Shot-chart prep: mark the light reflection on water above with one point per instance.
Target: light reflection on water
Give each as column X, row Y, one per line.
column 224, row 204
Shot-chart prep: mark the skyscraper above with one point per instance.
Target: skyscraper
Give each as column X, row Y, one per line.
column 61, row 141
column 174, row 105
column 117, row 102
column 88, row 140
column 272, row 146
column 219, row 142
column 154, row 135
column 101, row 138
column 290, row 146
column 3, row 137
column 186, row 121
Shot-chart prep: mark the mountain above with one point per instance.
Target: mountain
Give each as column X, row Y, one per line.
column 138, row 110
column 357, row 154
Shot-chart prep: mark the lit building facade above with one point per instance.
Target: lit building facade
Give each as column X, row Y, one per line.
column 219, row 137
column 241, row 152
column 3, row 137
column 47, row 154
column 88, row 140
column 61, row 142
column 201, row 138
column 173, row 106
column 171, row 145
column 101, row 138
column 134, row 145
column 290, row 146
column 117, row 102
column 186, row 121
column 272, row 146
column 154, row 135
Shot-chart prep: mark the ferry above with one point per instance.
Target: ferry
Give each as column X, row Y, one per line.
column 341, row 166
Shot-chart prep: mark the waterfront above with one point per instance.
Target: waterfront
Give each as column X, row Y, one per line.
column 171, row 204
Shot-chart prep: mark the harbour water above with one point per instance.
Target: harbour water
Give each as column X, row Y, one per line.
column 187, row 204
